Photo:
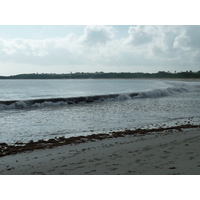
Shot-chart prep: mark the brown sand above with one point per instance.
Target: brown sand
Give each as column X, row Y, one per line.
column 171, row 151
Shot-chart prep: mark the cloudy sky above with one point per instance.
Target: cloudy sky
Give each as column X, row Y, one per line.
column 125, row 48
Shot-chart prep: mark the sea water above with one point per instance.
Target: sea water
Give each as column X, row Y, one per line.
column 43, row 109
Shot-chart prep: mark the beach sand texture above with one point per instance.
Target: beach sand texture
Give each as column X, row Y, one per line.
column 170, row 152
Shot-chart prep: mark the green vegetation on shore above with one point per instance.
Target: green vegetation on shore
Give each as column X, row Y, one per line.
column 110, row 75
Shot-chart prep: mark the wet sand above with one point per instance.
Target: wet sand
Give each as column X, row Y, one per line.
column 162, row 152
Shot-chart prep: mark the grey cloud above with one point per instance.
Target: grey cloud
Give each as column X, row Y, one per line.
column 189, row 39
column 193, row 33
column 139, row 35
column 97, row 34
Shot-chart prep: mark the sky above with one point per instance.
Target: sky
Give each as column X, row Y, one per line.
column 31, row 47
column 108, row 48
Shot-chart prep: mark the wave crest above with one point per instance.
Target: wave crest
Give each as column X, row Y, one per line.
column 156, row 93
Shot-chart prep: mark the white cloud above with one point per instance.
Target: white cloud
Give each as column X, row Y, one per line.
column 9, row 51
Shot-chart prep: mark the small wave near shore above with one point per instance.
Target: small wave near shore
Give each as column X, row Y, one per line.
column 48, row 102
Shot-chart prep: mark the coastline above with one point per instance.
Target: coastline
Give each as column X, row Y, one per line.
column 170, row 79
column 173, row 150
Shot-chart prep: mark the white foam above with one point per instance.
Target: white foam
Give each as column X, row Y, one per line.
column 123, row 97
column 16, row 105
column 163, row 92
column 49, row 104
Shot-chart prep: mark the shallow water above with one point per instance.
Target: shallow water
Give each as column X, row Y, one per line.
column 158, row 102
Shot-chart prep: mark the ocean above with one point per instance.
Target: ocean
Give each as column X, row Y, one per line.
column 44, row 109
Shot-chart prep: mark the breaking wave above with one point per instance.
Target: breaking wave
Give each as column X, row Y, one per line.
column 156, row 93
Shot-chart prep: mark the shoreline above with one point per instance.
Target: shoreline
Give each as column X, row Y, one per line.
column 163, row 151
column 172, row 79
column 20, row 147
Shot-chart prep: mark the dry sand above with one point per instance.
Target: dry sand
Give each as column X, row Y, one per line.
column 161, row 153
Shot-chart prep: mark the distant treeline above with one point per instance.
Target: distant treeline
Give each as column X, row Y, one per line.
column 102, row 75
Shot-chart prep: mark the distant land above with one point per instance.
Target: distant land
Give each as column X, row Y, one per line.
column 110, row 75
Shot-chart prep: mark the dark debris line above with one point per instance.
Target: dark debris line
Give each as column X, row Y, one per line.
column 6, row 149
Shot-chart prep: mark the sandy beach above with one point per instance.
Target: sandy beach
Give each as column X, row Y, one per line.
column 166, row 152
